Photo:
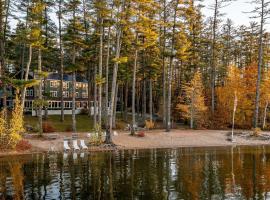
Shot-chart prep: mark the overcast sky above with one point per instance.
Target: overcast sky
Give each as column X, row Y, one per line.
column 234, row 11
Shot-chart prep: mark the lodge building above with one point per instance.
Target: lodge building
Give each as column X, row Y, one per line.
column 52, row 94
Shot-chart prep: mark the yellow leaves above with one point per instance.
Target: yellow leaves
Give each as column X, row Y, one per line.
column 120, row 60
column 16, row 122
column 241, row 83
column 10, row 131
column 265, row 87
column 149, row 124
column 100, row 80
column 192, row 105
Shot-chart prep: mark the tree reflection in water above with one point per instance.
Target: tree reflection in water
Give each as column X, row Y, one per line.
column 185, row 173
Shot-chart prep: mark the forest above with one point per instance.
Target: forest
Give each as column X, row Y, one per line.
column 143, row 58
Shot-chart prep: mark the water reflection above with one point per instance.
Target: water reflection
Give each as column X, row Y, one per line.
column 187, row 173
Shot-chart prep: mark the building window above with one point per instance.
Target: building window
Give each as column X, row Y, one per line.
column 65, row 85
column 77, row 95
column 65, row 94
column 84, row 95
column 53, row 93
column 54, row 83
column 67, row 104
column 78, row 85
column 84, row 85
column 29, row 93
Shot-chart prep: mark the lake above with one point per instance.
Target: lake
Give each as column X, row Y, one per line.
column 184, row 173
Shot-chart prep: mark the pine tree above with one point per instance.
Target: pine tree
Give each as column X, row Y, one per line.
column 194, row 107
column 74, row 43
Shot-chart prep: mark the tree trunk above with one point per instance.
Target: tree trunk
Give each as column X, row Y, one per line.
column 107, row 78
column 192, row 112
column 2, row 69
column 89, row 91
column 114, row 82
column 213, row 59
column 27, row 73
column 168, row 122
column 144, row 99
column 95, row 97
column 100, row 73
column 150, row 100
column 164, row 87
column 170, row 70
column 265, row 114
column 61, row 59
column 134, row 91
column 74, row 93
column 260, row 57
column 126, row 102
column 115, row 105
column 3, row 48
column 40, row 104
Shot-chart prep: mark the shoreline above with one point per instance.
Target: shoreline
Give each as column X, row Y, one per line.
column 154, row 139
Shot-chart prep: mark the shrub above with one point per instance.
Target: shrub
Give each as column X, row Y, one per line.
column 84, row 111
column 23, row 145
column 47, row 127
column 149, row 124
column 256, row 132
column 69, row 129
column 141, row 134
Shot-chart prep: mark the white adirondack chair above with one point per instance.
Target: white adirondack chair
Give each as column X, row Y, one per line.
column 83, row 144
column 66, row 146
column 75, row 156
column 75, row 145
column 65, row 156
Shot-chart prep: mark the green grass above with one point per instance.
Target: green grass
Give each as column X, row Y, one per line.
column 84, row 123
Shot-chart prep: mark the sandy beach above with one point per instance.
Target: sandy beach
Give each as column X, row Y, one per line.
column 154, row 139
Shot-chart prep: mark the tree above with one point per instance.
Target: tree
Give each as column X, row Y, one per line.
column 262, row 10
column 74, row 44
column 265, row 96
column 194, row 107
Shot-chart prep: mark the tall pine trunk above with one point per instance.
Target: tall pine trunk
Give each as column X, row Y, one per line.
column 150, row 100
column 95, row 97
column 114, row 82
column 61, row 59
column 27, row 72
column 100, row 73
column 144, row 99
column 107, row 77
column 74, row 93
column 115, row 106
column 134, row 93
column 213, row 58
column 260, row 57
column 40, row 104
column 170, row 71
column 126, row 102
column 265, row 114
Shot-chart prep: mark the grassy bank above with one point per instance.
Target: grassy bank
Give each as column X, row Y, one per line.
column 84, row 123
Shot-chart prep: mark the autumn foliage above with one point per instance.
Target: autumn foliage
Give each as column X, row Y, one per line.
column 11, row 130
column 242, row 83
column 192, row 103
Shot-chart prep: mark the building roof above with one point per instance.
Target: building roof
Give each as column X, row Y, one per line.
column 67, row 77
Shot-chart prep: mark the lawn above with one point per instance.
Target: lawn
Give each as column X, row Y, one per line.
column 84, row 123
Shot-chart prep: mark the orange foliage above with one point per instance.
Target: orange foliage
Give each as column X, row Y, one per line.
column 240, row 82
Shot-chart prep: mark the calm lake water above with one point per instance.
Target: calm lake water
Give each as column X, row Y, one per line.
column 185, row 173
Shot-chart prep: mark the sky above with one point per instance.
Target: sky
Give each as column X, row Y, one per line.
column 234, row 11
